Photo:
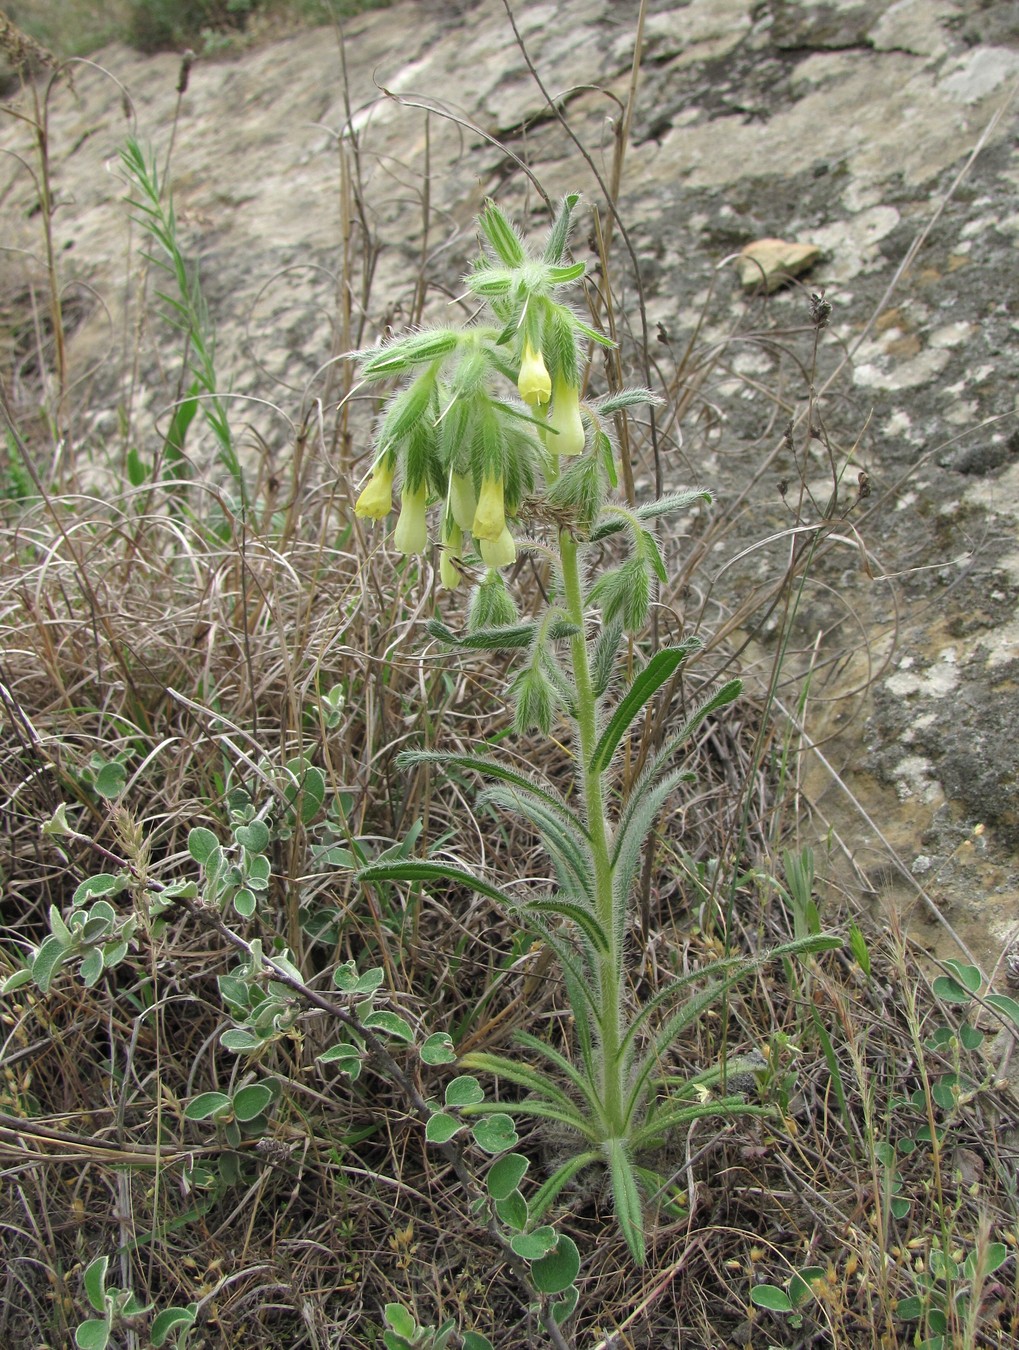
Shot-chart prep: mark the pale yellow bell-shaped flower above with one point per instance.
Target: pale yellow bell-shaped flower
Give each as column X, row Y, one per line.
column 463, row 501
column 490, row 518
column 499, row 552
column 376, row 499
column 450, row 554
column 565, row 419
column 411, row 533
column 534, row 381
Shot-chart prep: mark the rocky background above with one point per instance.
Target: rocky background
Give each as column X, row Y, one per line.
column 882, row 136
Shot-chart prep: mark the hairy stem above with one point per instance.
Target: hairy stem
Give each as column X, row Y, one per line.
column 592, row 788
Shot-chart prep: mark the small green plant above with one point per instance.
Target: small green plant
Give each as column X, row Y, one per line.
column 187, row 311
column 457, row 433
column 120, row 1306
column 403, row 1333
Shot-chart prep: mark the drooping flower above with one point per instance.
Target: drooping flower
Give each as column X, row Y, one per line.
column 565, row 419
column 534, row 381
column 490, row 517
column 450, row 554
column 501, row 552
column 411, row 533
column 462, row 501
column 376, row 499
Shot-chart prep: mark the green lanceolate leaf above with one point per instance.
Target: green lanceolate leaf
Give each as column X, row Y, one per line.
column 736, row 968
column 492, row 768
column 569, row 852
column 575, row 913
column 546, row 1195
column 560, row 233
column 547, row 1100
column 626, row 1198
column 502, row 236
column 676, row 501
column 660, row 668
column 509, row 638
column 410, row 869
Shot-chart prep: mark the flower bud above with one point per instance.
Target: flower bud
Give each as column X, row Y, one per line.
column 565, row 419
column 411, row 533
column 534, row 381
column 499, row 552
column 462, row 499
column 376, row 500
column 490, row 517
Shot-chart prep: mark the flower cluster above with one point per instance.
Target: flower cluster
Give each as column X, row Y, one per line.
column 454, row 433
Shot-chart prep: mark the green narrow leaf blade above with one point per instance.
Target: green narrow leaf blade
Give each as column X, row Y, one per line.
column 659, row 669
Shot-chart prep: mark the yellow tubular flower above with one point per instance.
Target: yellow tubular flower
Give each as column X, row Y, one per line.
column 534, row 381
column 376, row 500
column 411, row 533
column 565, row 419
column 490, row 518
column 498, row 552
column 452, row 540
column 462, row 500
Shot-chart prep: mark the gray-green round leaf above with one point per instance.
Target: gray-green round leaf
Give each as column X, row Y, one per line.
column 771, row 1297
column 170, row 1319
column 91, row 967
column 495, row 1133
column 505, row 1175
column 556, row 1271
column 533, row 1246
column 92, row 1335
column 239, row 1039
column 207, row 1104
column 254, row 836
column 438, row 1049
column 251, row 1101
column 391, row 1024
column 512, row 1211
column 103, row 883
column 201, row 843
column 464, row 1091
column 244, row 902
column 441, row 1128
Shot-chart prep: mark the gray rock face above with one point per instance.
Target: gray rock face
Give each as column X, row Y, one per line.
column 883, row 134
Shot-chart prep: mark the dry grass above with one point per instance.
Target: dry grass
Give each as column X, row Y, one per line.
column 158, row 625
